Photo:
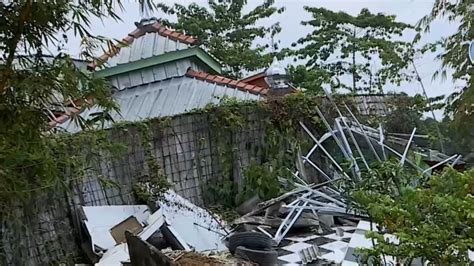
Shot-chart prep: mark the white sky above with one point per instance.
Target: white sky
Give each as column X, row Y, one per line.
column 408, row 11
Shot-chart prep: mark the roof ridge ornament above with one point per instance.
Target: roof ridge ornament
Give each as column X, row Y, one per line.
column 276, row 76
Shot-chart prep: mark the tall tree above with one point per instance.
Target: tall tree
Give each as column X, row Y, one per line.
column 33, row 86
column 364, row 52
column 228, row 32
column 454, row 55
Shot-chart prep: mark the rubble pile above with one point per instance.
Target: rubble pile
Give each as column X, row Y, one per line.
column 311, row 223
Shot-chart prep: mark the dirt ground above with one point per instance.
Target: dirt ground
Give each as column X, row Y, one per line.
column 193, row 258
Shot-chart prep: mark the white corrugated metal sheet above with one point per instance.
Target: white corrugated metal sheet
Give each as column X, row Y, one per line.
column 151, row 74
column 151, row 44
column 166, row 98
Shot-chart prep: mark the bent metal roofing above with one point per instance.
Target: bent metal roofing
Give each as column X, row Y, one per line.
column 158, row 97
column 170, row 97
column 140, row 44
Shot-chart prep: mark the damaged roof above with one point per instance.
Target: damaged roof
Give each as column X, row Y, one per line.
column 144, row 42
column 158, row 72
column 170, row 97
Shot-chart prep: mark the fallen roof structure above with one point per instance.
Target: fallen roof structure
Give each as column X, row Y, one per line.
column 318, row 206
column 177, row 224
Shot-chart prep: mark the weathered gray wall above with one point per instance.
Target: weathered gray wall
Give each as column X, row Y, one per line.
column 185, row 150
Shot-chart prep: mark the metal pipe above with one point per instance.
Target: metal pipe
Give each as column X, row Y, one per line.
column 402, row 160
column 321, row 194
column 394, row 152
column 439, row 164
column 317, row 168
column 381, row 142
column 356, row 144
column 348, row 147
column 336, row 139
column 365, row 134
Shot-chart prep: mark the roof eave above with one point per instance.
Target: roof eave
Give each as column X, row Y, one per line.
column 162, row 59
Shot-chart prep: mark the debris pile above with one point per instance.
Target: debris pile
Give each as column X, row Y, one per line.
column 312, row 223
column 309, row 224
column 177, row 225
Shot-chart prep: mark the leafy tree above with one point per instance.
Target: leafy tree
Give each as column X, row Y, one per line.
column 227, row 32
column 458, row 141
column 342, row 44
column 405, row 113
column 312, row 80
column 454, row 55
column 432, row 220
column 33, row 85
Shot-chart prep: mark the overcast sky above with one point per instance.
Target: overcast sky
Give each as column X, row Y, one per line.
column 408, row 11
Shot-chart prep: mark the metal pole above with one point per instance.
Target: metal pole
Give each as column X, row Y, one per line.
column 348, row 147
column 365, row 133
column 336, row 139
column 356, row 144
column 439, row 164
column 456, row 160
column 402, row 160
column 381, row 142
column 317, row 168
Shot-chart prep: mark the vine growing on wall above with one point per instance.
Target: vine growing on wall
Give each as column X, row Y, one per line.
column 282, row 138
column 151, row 190
column 74, row 156
column 225, row 120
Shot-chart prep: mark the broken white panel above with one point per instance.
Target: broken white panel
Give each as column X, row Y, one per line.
column 100, row 219
column 118, row 254
column 181, row 241
column 155, row 221
column 196, row 226
column 115, row 256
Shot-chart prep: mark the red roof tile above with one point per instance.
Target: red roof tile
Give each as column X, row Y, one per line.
column 69, row 113
column 242, row 86
column 141, row 31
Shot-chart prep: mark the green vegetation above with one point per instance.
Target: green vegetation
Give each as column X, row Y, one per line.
column 432, row 218
column 454, row 55
column 341, row 45
column 228, row 32
column 33, row 83
column 452, row 51
column 282, row 138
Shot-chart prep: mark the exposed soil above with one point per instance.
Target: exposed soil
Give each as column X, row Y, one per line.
column 180, row 257
column 192, row 258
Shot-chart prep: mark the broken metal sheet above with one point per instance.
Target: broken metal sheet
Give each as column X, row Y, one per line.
column 275, row 222
column 100, row 219
column 155, row 221
column 197, row 227
column 178, row 238
column 115, row 256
